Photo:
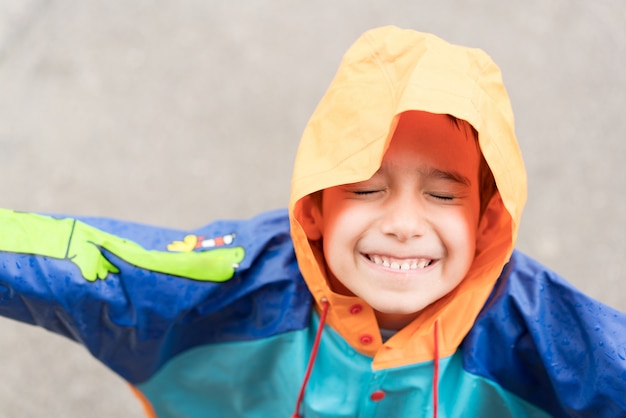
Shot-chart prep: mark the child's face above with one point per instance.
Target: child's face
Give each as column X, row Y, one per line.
column 406, row 237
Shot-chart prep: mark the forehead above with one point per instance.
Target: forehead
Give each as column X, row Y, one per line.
column 434, row 141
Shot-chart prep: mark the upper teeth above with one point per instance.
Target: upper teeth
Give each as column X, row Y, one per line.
column 400, row 264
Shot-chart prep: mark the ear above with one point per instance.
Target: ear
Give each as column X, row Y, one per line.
column 311, row 217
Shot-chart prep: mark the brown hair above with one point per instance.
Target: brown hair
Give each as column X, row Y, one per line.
column 486, row 182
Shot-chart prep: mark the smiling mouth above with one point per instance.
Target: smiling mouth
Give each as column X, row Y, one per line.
column 403, row 264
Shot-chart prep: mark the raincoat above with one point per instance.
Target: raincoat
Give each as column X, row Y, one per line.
column 237, row 318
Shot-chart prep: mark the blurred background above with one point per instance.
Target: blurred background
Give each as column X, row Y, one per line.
column 177, row 113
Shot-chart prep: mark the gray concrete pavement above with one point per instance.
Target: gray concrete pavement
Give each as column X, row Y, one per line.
column 176, row 113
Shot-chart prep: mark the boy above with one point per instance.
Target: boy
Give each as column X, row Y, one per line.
column 406, row 198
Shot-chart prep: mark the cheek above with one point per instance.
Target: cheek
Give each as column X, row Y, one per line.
column 341, row 217
column 339, row 226
column 459, row 234
column 344, row 224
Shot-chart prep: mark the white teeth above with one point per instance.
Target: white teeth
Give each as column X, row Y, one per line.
column 400, row 264
column 423, row 263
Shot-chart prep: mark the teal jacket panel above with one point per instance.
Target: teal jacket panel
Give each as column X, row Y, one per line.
column 262, row 379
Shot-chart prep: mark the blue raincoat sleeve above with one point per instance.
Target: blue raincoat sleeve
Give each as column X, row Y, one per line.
column 542, row 339
column 137, row 295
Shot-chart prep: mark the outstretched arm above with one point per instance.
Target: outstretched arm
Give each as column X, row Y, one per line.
column 125, row 291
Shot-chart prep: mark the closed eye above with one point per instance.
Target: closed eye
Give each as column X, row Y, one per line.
column 365, row 192
column 446, row 198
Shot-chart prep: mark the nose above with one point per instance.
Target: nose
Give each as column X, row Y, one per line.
column 404, row 217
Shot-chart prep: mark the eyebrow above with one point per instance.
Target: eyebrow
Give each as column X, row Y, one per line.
column 436, row 173
column 446, row 175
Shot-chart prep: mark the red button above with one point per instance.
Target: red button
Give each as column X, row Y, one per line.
column 366, row 339
column 356, row 309
column 377, row 396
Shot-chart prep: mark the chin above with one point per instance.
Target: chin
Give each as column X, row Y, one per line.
column 402, row 310
column 398, row 306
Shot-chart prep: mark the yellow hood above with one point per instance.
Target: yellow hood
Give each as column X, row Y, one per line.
column 386, row 72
